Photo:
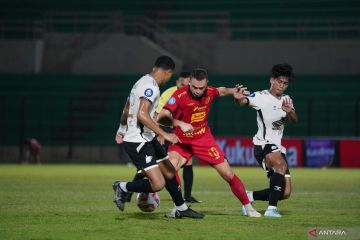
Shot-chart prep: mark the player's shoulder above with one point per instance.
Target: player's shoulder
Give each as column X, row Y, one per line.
column 146, row 87
column 211, row 90
column 259, row 93
column 285, row 96
column 181, row 92
column 147, row 81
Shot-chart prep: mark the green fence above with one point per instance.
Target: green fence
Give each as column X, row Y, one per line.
column 85, row 110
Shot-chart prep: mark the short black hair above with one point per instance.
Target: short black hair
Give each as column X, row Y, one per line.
column 165, row 62
column 282, row 69
column 199, row 74
column 184, row 74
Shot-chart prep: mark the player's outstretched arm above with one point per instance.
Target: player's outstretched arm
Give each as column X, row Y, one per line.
column 144, row 117
column 123, row 123
column 223, row 91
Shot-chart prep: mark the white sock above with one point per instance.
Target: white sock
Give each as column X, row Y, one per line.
column 271, row 207
column 123, row 186
column 182, row 207
column 248, row 206
column 251, row 196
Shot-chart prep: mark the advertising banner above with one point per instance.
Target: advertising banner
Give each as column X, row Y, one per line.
column 349, row 152
column 320, row 153
column 240, row 151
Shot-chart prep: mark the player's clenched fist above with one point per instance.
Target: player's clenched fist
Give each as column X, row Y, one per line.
column 119, row 138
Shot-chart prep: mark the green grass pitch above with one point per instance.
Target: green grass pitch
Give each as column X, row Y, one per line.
column 75, row 202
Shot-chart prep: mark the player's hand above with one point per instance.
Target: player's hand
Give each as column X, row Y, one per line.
column 171, row 137
column 161, row 140
column 287, row 105
column 119, row 138
column 240, row 91
column 186, row 127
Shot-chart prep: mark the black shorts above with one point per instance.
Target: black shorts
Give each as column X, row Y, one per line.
column 145, row 155
column 260, row 154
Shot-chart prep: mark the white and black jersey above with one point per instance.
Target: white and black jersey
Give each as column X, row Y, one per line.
column 147, row 88
column 270, row 118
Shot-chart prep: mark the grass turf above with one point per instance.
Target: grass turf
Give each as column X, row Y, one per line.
column 75, row 202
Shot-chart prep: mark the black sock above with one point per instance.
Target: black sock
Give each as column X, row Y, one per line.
column 138, row 176
column 142, row 185
column 276, row 188
column 262, row 195
column 173, row 187
column 188, row 180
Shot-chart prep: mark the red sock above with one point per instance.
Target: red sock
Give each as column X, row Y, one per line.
column 178, row 179
column 238, row 189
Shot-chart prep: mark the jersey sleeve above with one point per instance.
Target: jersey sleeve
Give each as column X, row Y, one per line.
column 173, row 103
column 255, row 100
column 213, row 92
column 148, row 91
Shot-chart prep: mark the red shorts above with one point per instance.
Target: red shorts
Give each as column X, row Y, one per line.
column 204, row 148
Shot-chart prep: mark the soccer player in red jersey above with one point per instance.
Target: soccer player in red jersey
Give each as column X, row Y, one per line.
column 188, row 108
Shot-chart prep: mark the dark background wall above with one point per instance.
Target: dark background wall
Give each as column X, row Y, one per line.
column 67, row 67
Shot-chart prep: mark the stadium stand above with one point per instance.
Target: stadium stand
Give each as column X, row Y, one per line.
column 259, row 19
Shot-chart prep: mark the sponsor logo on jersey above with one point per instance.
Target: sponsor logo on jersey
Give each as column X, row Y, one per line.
column 198, row 117
column 148, row 92
column 172, row 100
column 181, row 94
column 195, row 133
column 197, row 108
column 148, row 158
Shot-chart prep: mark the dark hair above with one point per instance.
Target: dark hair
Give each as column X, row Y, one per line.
column 282, row 69
column 184, row 74
column 165, row 62
column 199, row 74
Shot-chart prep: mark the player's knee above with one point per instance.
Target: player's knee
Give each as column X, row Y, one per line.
column 169, row 175
column 280, row 167
column 158, row 185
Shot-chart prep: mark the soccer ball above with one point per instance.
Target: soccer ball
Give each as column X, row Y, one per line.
column 148, row 202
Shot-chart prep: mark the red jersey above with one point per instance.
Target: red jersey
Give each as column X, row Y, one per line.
column 185, row 107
